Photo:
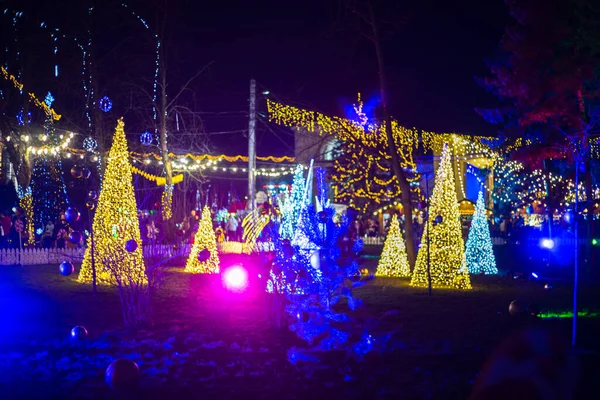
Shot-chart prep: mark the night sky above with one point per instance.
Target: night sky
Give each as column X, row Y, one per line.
column 305, row 53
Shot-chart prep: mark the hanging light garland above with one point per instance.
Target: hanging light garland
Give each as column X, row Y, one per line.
column 146, row 138
column 49, row 150
column 105, row 104
column 159, row 180
column 90, row 144
column 37, row 102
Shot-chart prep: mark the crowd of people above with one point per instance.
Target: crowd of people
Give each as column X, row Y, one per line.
column 13, row 230
column 229, row 228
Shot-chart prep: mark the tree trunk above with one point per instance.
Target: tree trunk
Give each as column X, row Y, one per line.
column 168, row 193
column 97, row 125
column 405, row 195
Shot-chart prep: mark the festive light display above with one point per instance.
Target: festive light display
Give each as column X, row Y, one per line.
column 166, row 202
column 90, row 144
column 214, row 158
column 445, row 252
column 323, row 278
column 293, row 205
column 146, row 138
column 159, row 180
column 47, row 183
column 393, row 261
column 363, row 174
column 204, row 241
column 105, row 104
column 49, row 191
column 51, row 149
column 49, row 99
column 208, row 164
column 115, row 222
column 255, row 222
column 41, row 104
column 21, row 120
column 362, row 117
column 26, row 203
column 480, row 252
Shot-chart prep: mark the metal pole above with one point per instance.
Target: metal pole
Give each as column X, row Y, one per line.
column 428, row 227
column 92, row 250
column 252, row 145
column 576, row 272
column 92, row 247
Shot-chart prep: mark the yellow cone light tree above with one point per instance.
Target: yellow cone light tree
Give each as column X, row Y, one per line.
column 115, row 223
column 445, row 251
column 204, row 258
column 393, row 261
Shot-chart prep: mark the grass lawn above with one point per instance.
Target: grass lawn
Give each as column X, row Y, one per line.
column 206, row 343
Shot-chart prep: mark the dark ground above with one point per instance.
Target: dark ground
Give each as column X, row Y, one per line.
column 210, row 344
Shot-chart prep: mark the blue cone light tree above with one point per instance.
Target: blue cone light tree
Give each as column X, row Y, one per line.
column 480, row 252
column 293, row 205
column 320, row 269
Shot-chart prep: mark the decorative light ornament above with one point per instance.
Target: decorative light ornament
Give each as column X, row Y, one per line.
column 105, row 104
column 131, row 245
column 362, row 116
column 79, row 333
column 66, row 268
column 90, row 144
column 20, row 120
column 49, row 99
column 146, row 138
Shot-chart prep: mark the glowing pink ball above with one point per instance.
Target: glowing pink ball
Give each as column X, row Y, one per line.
column 235, row 279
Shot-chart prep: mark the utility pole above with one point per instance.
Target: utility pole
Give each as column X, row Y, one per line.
column 252, row 145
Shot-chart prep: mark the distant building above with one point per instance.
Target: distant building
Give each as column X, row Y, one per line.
column 324, row 149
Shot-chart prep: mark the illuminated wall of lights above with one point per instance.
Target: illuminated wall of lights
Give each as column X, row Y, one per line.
column 362, row 173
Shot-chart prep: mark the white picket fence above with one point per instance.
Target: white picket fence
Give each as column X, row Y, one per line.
column 373, row 241
column 378, row 241
column 37, row 256
column 33, row 256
